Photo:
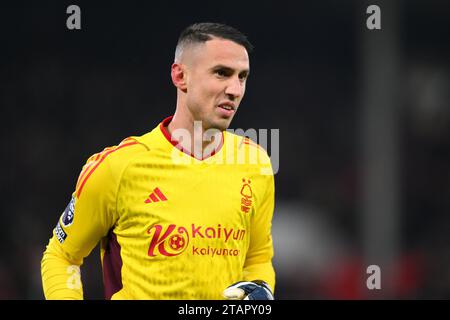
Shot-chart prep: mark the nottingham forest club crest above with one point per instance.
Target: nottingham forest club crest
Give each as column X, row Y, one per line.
column 246, row 195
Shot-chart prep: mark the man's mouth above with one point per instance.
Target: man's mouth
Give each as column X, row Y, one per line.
column 227, row 109
column 227, row 106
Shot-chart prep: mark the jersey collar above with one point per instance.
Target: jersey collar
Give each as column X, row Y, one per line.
column 163, row 127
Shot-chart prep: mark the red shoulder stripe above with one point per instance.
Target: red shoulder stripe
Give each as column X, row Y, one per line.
column 104, row 155
column 250, row 142
column 89, row 164
column 83, row 172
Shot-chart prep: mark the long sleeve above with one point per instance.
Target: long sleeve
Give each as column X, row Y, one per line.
column 61, row 278
column 258, row 264
column 89, row 216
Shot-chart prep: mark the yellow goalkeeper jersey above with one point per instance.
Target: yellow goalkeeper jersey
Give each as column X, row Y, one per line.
column 171, row 226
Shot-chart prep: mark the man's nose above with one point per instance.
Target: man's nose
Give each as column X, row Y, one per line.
column 234, row 88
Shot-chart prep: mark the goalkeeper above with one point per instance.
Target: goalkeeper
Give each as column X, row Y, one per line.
column 185, row 210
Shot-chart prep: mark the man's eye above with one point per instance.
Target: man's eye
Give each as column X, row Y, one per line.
column 221, row 73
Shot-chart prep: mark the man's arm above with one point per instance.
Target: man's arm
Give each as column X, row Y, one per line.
column 258, row 263
column 258, row 274
column 61, row 278
column 88, row 217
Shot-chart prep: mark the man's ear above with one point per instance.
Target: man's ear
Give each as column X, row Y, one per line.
column 179, row 76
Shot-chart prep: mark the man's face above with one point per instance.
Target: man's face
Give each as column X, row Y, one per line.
column 215, row 79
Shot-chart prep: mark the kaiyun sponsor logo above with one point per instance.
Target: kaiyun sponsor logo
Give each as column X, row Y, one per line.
column 170, row 240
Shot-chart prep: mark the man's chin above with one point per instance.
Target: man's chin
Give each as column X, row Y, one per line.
column 221, row 124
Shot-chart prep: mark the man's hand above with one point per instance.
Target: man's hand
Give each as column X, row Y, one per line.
column 246, row 290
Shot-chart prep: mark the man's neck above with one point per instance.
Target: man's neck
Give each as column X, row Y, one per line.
column 197, row 140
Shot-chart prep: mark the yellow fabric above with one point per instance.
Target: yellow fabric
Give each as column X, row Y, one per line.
column 209, row 227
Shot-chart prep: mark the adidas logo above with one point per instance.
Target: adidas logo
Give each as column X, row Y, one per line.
column 156, row 196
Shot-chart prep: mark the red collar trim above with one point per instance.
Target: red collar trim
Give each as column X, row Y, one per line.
column 163, row 126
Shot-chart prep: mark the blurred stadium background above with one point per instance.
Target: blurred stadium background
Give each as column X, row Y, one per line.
column 364, row 119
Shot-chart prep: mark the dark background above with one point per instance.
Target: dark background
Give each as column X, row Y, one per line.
column 66, row 94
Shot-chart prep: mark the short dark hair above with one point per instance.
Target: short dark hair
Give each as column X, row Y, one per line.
column 202, row 32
